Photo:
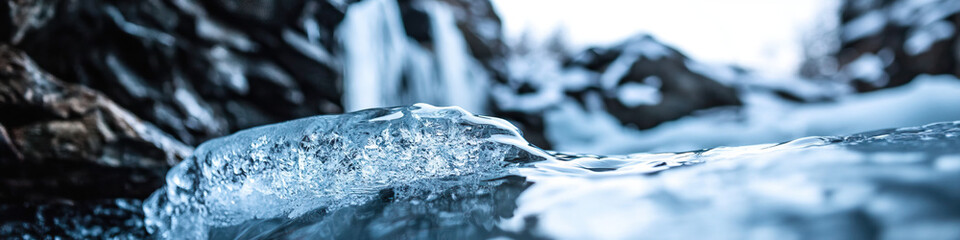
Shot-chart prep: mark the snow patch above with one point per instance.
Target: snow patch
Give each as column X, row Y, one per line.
column 920, row 40
column 633, row 94
column 868, row 24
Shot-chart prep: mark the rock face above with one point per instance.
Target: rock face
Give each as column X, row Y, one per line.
column 197, row 69
column 888, row 43
column 64, row 141
column 72, row 162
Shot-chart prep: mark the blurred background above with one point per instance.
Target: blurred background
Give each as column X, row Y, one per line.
column 99, row 97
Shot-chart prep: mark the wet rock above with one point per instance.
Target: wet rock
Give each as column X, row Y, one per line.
column 889, row 43
column 656, row 70
column 7, row 149
column 197, row 69
column 62, row 140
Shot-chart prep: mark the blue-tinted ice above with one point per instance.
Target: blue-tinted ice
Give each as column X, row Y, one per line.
column 287, row 169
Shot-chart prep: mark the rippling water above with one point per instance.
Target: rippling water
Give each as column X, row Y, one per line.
column 892, row 184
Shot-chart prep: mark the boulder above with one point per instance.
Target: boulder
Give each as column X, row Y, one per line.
column 889, row 43
column 656, row 70
column 639, row 82
column 60, row 140
column 196, row 69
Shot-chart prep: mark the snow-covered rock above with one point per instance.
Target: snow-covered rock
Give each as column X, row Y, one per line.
column 889, row 43
column 641, row 82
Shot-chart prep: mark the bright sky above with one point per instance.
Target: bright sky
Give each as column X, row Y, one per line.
column 764, row 35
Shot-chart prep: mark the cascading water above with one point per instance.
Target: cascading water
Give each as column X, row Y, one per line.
column 385, row 67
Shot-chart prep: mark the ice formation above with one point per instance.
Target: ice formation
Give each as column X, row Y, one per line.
column 328, row 162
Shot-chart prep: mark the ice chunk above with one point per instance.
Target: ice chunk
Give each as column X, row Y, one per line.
column 328, row 162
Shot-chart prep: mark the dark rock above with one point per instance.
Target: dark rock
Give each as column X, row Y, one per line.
column 68, row 141
column 682, row 91
column 907, row 39
column 189, row 66
column 7, row 149
column 416, row 22
column 481, row 28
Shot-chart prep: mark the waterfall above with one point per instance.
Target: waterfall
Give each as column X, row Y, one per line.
column 373, row 38
column 464, row 79
column 385, row 67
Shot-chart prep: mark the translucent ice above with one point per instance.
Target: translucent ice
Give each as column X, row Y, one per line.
column 328, row 162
